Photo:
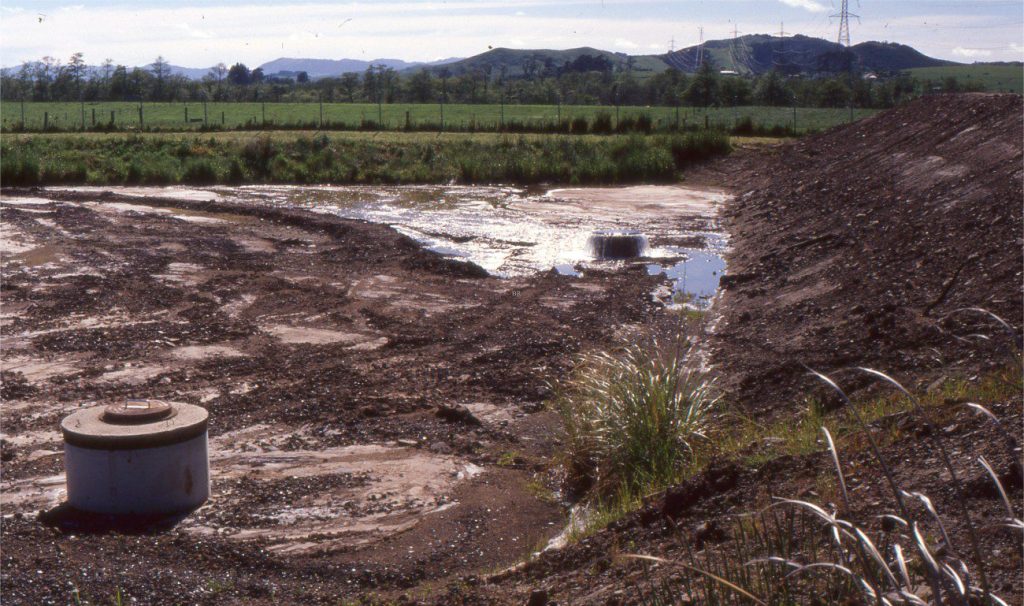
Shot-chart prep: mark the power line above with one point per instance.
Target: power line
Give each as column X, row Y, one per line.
column 844, row 23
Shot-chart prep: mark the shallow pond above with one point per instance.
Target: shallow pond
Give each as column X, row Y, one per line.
column 515, row 232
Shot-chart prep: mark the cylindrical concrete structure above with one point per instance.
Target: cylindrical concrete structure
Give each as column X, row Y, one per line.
column 143, row 457
column 618, row 244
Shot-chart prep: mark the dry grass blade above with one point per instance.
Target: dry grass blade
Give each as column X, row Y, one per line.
column 930, row 507
column 876, row 556
column 705, row 573
column 871, row 440
column 988, row 413
column 839, row 467
column 957, row 581
column 1002, row 322
column 922, row 547
column 894, row 519
column 901, row 563
column 773, row 560
column 999, row 486
column 832, row 566
column 944, row 456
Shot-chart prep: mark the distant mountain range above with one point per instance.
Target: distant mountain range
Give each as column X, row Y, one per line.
column 748, row 55
column 323, row 68
column 518, row 62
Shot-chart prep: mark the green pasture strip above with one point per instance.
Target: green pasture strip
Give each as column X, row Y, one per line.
column 992, row 78
column 69, row 116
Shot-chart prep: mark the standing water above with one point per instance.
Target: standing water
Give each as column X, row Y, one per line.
column 511, row 232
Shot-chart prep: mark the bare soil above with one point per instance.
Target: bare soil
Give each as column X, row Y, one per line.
column 852, row 247
column 325, row 351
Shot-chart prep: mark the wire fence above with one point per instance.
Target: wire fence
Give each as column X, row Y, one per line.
column 198, row 116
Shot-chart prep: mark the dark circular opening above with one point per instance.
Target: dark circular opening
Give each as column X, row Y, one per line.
column 133, row 412
column 609, row 244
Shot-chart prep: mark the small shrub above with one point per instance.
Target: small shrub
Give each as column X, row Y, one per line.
column 199, row 172
column 632, row 418
column 18, row 168
column 258, row 155
column 579, row 126
column 602, row 123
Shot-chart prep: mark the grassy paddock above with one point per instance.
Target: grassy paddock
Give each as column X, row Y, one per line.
column 992, row 78
column 577, row 119
column 158, row 159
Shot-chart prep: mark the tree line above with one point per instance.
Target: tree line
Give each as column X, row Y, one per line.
column 585, row 81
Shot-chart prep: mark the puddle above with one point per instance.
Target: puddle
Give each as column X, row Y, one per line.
column 39, row 256
column 508, row 231
column 695, row 277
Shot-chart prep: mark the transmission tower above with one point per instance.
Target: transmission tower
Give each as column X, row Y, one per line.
column 700, row 49
column 844, row 23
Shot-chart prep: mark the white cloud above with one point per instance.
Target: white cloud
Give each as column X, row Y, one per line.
column 623, row 43
column 807, row 5
column 971, row 53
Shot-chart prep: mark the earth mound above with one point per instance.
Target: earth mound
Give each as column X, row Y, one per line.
column 864, row 246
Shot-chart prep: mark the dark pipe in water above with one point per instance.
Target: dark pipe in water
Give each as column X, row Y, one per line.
column 617, row 244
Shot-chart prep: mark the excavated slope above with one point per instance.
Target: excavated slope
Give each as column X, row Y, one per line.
column 854, row 247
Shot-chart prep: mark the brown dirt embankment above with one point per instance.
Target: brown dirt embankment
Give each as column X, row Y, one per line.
column 853, row 248
column 848, row 248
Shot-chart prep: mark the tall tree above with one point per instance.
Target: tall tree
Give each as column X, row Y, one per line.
column 239, row 75
column 161, row 71
column 704, row 89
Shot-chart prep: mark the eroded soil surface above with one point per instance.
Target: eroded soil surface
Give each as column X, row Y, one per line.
column 324, row 350
column 852, row 247
column 855, row 247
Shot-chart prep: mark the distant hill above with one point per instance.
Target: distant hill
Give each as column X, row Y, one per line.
column 760, row 53
column 323, row 68
column 192, row 73
column 519, row 62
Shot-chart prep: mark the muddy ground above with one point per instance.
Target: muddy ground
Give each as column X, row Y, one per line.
column 325, row 351
column 855, row 247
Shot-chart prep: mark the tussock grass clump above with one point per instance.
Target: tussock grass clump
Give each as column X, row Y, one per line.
column 633, row 419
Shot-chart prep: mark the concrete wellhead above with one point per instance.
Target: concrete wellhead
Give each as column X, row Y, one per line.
column 142, row 457
column 618, row 244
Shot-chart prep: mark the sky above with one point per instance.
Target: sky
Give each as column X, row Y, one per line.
column 198, row 33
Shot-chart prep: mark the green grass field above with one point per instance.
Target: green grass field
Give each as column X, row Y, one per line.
column 345, row 116
column 994, row 78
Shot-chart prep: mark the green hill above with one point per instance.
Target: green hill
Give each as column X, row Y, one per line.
column 518, row 63
column 760, row 53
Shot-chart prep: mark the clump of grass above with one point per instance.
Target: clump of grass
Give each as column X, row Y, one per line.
column 633, row 419
column 18, row 167
column 199, row 171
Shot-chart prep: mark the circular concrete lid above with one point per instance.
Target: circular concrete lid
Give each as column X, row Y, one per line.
column 133, row 425
column 134, row 412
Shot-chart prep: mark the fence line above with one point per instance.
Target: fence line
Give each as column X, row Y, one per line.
column 193, row 116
